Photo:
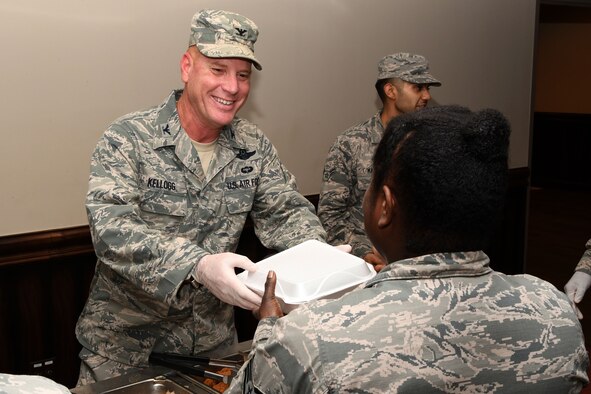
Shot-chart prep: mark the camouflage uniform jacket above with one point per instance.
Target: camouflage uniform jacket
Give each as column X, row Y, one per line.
column 346, row 177
column 154, row 214
column 585, row 262
column 435, row 323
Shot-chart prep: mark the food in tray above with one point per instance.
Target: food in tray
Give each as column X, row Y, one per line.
column 220, row 387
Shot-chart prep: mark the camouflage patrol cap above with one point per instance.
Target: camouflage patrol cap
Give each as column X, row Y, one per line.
column 408, row 67
column 221, row 34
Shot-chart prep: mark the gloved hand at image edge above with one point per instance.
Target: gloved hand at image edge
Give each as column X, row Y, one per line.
column 575, row 289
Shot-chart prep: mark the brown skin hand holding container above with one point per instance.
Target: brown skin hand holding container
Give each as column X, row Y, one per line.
column 270, row 306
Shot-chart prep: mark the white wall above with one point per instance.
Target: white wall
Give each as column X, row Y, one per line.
column 69, row 67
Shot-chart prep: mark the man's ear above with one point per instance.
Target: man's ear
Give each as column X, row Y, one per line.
column 390, row 91
column 388, row 207
column 186, row 65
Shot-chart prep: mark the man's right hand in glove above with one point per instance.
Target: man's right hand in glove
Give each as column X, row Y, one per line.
column 216, row 273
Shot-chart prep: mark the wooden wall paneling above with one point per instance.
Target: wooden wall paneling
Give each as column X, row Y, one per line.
column 70, row 283
column 33, row 312
column 8, row 316
column 44, row 283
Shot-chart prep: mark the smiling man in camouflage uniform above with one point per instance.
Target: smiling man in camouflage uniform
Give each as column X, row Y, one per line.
column 403, row 86
column 437, row 318
column 170, row 190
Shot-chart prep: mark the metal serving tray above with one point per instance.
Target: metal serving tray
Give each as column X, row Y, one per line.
column 160, row 380
column 163, row 385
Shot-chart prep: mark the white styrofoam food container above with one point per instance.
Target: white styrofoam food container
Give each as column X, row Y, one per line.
column 309, row 271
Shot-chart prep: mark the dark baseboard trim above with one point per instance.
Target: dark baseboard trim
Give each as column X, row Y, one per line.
column 43, row 245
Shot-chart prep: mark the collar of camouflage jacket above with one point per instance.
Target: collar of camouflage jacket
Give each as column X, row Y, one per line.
column 439, row 265
column 167, row 120
column 377, row 128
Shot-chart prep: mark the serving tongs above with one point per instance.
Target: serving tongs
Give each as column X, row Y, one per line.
column 195, row 365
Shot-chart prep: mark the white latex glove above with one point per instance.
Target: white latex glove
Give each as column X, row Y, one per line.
column 344, row 248
column 575, row 289
column 216, row 272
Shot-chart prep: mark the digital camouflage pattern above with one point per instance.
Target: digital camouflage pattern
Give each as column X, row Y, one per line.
column 221, row 34
column 29, row 384
column 442, row 323
column 154, row 214
column 408, row 67
column 346, row 177
column 94, row 368
column 585, row 262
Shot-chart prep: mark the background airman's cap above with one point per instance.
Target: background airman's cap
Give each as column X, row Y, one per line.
column 408, row 67
column 219, row 34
